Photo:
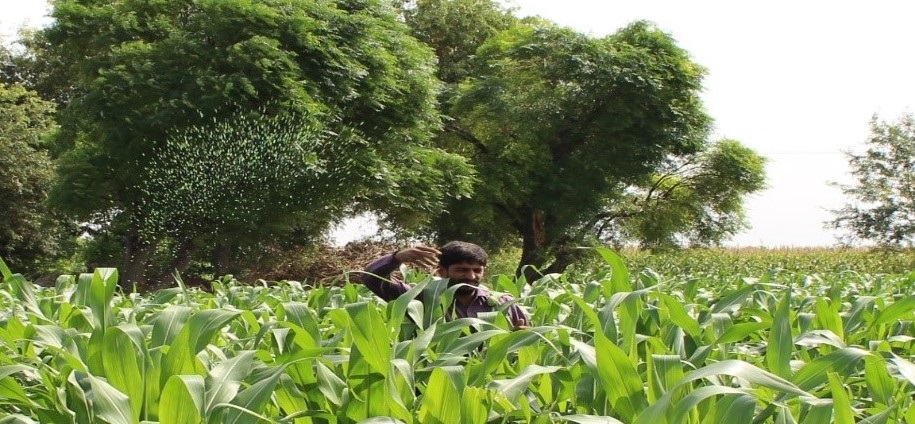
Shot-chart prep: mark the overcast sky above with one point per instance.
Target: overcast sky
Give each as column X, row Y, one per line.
column 797, row 81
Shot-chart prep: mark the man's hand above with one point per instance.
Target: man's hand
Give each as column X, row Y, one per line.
column 420, row 256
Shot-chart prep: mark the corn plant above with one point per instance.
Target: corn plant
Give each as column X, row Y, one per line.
column 604, row 346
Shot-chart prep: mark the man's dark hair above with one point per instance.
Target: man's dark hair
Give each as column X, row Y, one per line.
column 456, row 252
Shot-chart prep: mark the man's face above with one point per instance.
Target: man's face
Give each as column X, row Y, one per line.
column 464, row 272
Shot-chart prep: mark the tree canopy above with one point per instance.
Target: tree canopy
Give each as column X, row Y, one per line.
column 565, row 129
column 194, row 128
column 882, row 206
column 147, row 71
column 28, row 232
column 455, row 29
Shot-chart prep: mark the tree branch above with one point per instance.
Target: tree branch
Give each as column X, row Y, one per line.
column 453, row 127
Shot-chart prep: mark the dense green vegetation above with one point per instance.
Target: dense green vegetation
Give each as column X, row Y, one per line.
column 882, row 206
column 30, row 232
column 729, row 338
column 195, row 136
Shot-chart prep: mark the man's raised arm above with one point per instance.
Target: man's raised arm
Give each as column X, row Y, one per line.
column 377, row 275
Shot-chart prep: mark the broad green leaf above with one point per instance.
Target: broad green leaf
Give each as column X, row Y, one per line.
column 182, row 400
column 513, row 387
column 819, row 414
column 475, row 404
column 905, row 368
column 25, row 294
column 589, row 419
column 398, row 307
column 656, row 413
column 13, row 393
column 125, row 361
column 842, row 412
column 253, row 399
column 814, row 338
column 168, row 324
column 814, row 372
column 627, row 305
column 619, row 277
column 616, row 374
column 880, row 384
column 467, row 344
column 828, row 318
column 194, row 336
column 741, row 411
column 370, row 335
column 881, row 417
column 300, row 314
column 224, row 380
column 678, row 315
column 292, row 401
column 330, row 384
column 104, row 282
column 17, row 419
column 741, row 331
column 859, row 307
column 108, row 404
column 441, row 401
column 895, row 311
column 733, row 300
column 5, row 270
column 664, row 372
column 695, row 397
column 780, row 344
column 368, row 390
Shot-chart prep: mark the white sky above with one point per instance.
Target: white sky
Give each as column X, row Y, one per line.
column 797, row 81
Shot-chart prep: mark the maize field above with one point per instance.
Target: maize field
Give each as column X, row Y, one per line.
column 605, row 346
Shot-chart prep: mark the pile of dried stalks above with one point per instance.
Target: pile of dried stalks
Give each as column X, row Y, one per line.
column 321, row 264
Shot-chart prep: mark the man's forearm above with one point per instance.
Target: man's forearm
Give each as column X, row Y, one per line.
column 376, row 275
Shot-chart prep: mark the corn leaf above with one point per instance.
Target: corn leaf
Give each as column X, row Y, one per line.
column 441, row 401
column 780, row 342
column 182, row 400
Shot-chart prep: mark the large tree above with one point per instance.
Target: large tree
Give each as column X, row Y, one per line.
column 455, row 29
column 29, row 62
column 882, row 207
column 28, row 232
column 570, row 134
column 146, row 73
column 695, row 200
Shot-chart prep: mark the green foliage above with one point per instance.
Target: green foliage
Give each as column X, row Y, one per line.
column 694, row 339
column 29, row 231
column 242, row 175
column 696, row 200
column 573, row 135
column 455, row 29
column 28, row 62
column 882, row 207
column 149, row 77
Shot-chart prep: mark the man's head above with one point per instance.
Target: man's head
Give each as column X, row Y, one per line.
column 462, row 262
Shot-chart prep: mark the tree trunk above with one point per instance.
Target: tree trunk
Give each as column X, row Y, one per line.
column 222, row 259
column 179, row 263
column 137, row 254
column 532, row 261
column 549, row 254
column 533, row 248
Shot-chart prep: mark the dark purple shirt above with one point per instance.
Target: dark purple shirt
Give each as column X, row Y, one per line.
column 481, row 302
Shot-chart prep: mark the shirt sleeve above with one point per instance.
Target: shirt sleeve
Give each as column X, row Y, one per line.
column 514, row 312
column 376, row 275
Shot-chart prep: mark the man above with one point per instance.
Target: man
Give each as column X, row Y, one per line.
column 460, row 263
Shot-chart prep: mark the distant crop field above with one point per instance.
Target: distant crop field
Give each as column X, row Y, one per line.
column 696, row 337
